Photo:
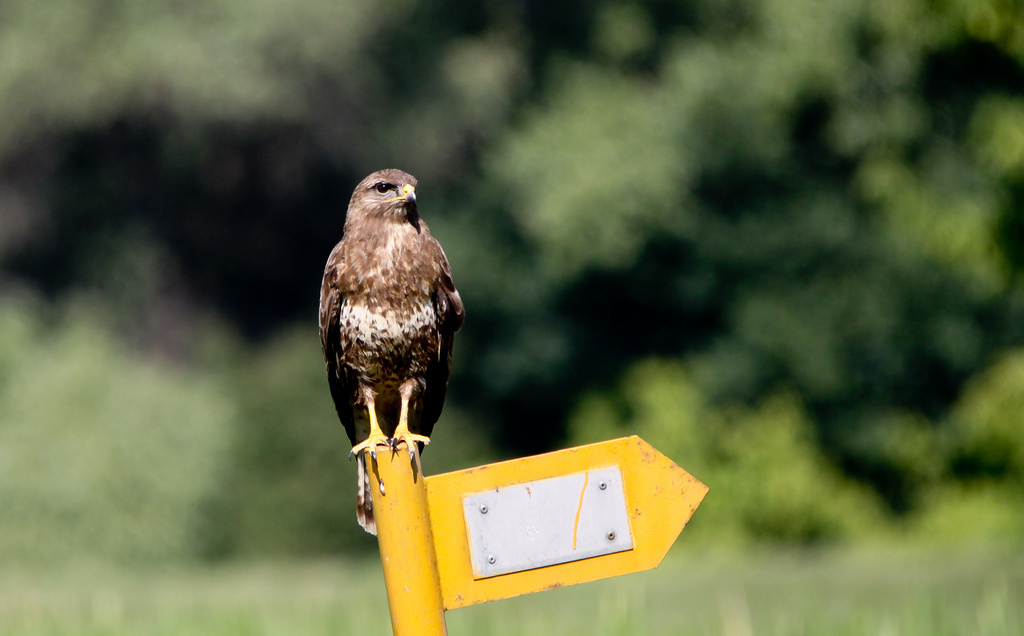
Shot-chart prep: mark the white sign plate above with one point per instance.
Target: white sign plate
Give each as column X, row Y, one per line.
column 546, row 522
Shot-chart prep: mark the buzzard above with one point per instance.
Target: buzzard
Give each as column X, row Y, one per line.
column 388, row 316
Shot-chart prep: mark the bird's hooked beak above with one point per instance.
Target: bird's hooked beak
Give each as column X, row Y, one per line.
column 408, row 193
column 408, row 196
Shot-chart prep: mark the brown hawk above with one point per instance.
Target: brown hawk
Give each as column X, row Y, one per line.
column 388, row 316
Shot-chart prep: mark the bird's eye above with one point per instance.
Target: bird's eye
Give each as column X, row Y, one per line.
column 383, row 187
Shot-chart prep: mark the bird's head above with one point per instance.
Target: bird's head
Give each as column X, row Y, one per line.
column 386, row 194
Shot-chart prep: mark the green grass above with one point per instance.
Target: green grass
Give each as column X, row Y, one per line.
column 832, row 593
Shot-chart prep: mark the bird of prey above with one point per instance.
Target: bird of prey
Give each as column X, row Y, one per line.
column 388, row 316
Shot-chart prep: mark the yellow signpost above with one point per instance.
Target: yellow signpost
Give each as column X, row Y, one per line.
column 406, row 546
column 523, row 526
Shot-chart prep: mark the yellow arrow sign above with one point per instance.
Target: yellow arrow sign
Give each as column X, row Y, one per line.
column 656, row 499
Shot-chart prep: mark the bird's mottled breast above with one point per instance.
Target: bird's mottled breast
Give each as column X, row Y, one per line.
column 388, row 316
column 381, row 325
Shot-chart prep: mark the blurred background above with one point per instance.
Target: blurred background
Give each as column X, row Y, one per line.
column 781, row 240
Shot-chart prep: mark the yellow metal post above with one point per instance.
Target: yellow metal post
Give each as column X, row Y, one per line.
column 406, row 544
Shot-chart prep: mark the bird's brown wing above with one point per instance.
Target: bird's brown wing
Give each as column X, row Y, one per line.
column 343, row 386
column 450, row 316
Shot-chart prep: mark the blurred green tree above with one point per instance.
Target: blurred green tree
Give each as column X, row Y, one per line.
column 769, row 479
column 976, row 496
column 104, row 456
column 798, row 195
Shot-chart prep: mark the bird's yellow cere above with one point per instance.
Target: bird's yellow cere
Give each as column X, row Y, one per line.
column 407, row 191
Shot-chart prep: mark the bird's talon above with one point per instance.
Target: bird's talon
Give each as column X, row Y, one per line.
column 369, row 444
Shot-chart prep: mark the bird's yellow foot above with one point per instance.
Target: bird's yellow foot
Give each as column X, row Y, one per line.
column 371, row 443
column 410, row 440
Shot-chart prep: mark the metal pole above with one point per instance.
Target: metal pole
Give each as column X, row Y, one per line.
column 406, row 544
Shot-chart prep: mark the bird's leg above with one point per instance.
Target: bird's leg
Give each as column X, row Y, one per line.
column 376, row 437
column 402, row 433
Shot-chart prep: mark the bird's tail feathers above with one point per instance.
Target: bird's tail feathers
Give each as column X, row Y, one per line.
column 364, row 498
